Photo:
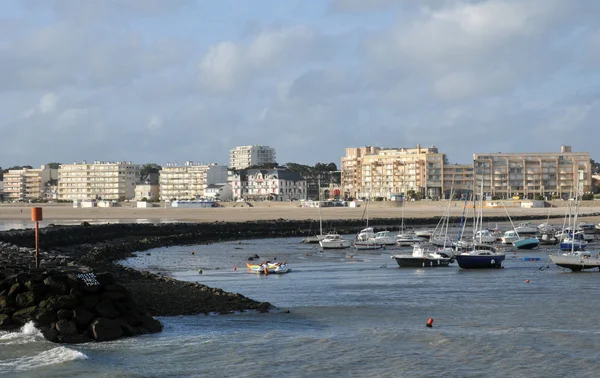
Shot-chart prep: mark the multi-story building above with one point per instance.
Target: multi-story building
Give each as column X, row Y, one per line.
column 278, row 184
column 103, row 180
column 188, row 181
column 147, row 189
column 1, row 190
column 28, row 183
column 243, row 157
column 548, row 174
column 458, row 178
column 386, row 172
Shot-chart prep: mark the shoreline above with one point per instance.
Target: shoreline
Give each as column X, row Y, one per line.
column 264, row 211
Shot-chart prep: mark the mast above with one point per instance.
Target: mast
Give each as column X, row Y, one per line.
column 462, row 219
column 320, row 211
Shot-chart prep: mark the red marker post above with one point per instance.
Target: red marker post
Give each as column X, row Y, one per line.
column 36, row 216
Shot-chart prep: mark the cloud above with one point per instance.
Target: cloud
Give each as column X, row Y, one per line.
column 229, row 65
column 154, row 123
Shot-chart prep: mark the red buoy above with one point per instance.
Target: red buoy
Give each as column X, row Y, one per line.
column 235, row 268
column 429, row 322
column 527, row 281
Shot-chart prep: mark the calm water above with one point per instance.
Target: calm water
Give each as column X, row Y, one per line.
column 351, row 314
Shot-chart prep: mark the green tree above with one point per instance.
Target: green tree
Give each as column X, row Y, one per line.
column 53, row 165
column 150, row 168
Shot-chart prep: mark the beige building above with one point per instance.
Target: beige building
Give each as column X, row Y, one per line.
column 549, row 174
column 243, row 157
column 28, row 183
column 189, row 181
column 370, row 172
column 457, row 178
column 98, row 180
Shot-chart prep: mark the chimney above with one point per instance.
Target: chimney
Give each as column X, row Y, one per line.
column 565, row 149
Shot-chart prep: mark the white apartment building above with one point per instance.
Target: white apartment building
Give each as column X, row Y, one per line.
column 278, row 184
column 243, row 157
column 28, row 183
column 103, row 180
column 220, row 191
column 189, row 181
column 529, row 174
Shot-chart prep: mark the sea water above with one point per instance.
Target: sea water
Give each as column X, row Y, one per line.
column 351, row 314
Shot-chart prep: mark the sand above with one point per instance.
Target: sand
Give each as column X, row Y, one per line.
column 273, row 211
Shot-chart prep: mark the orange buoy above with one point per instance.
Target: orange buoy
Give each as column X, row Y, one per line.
column 429, row 322
column 526, row 281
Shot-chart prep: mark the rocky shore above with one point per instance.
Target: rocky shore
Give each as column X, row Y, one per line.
column 122, row 301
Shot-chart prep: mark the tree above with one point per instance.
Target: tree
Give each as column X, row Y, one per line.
column 150, row 168
column 595, row 166
column 53, row 165
column 264, row 166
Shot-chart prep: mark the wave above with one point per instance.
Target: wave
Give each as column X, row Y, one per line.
column 52, row 356
column 27, row 334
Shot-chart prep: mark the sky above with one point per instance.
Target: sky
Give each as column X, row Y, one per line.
column 158, row 81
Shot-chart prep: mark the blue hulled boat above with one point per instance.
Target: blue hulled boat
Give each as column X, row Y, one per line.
column 481, row 257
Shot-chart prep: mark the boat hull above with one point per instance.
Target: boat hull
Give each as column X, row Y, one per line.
column 421, row 262
column 367, row 246
column 479, row 261
column 575, row 263
column 529, row 243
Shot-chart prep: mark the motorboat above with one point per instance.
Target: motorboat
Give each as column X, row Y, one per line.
column 407, row 239
column 546, row 228
column 269, row 267
column 384, row 238
column 334, row 241
column 571, row 243
column 366, row 240
column 313, row 239
column 441, row 240
column 526, row 228
column 480, row 257
column 426, row 234
column 587, row 227
column 576, row 260
column 526, row 243
column 423, row 256
column 547, row 238
column 484, row 236
column 509, row 237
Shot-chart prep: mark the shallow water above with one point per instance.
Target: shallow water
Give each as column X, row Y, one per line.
column 351, row 314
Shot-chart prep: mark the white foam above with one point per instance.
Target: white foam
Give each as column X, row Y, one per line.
column 27, row 334
column 52, row 356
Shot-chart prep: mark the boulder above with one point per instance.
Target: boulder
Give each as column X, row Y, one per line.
column 83, row 317
column 153, row 325
column 5, row 320
column 103, row 329
column 90, row 301
column 26, row 299
column 106, row 309
column 50, row 334
column 45, row 316
column 14, row 289
column 23, row 316
column 78, row 338
column 67, row 302
column 3, row 303
column 66, row 327
column 56, row 285
column 65, row 314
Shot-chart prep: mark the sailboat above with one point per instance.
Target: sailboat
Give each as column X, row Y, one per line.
column 320, row 236
column 513, row 237
column 406, row 238
column 366, row 237
column 480, row 256
column 575, row 259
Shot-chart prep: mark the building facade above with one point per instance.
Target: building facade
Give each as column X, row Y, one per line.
column 371, row 172
column 28, row 183
column 220, row 192
column 101, row 180
column 147, row 189
column 528, row 175
column 188, row 181
column 242, row 157
column 278, row 184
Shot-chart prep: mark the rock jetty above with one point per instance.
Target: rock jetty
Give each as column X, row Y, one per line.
column 73, row 307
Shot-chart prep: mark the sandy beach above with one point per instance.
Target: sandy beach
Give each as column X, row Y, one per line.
column 276, row 210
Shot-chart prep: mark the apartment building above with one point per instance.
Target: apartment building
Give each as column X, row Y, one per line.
column 28, row 183
column 242, row 157
column 458, row 178
column 103, row 180
column 278, row 184
column 370, row 172
column 548, row 174
column 189, row 181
